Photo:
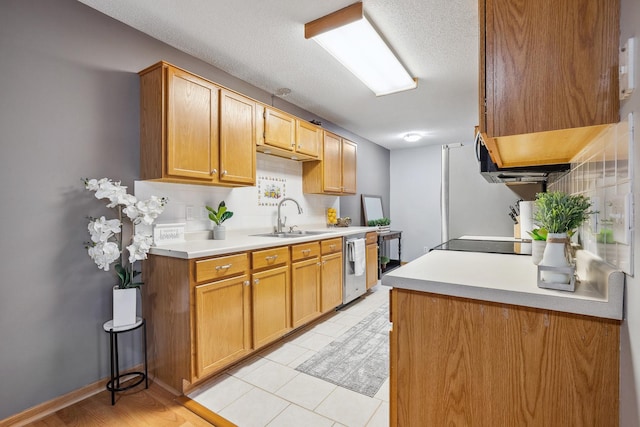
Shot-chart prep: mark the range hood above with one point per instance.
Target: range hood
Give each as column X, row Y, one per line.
column 516, row 175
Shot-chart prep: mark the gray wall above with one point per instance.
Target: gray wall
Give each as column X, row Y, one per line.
column 69, row 109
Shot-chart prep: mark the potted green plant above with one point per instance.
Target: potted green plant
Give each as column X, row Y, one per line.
column 218, row 217
column 560, row 214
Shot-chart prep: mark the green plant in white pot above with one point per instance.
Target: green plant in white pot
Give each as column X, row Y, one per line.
column 560, row 214
column 218, row 217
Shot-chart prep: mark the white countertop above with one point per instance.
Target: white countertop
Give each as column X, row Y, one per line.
column 510, row 279
column 238, row 241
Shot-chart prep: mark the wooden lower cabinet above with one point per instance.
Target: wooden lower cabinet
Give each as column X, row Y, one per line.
column 331, row 277
column 463, row 362
column 222, row 323
column 305, row 283
column 371, row 251
column 271, row 305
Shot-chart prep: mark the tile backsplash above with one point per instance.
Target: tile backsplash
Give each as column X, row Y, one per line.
column 603, row 172
column 253, row 207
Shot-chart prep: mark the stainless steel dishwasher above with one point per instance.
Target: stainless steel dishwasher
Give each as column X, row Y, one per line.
column 355, row 267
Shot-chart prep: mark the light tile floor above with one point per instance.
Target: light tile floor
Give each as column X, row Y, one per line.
column 268, row 391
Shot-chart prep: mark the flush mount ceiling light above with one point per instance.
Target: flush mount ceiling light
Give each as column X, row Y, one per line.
column 412, row 137
column 351, row 39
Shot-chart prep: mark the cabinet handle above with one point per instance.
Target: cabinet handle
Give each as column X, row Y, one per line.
column 246, row 283
column 214, row 172
column 299, row 145
column 223, row 267
column 320, row 264
column 293, row 144
column 256, row 281
column 224, row 172
column 271, row 257
column 306, row 251
column 332, row 247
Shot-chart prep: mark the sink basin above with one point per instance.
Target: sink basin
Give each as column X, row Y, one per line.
column 286, row 234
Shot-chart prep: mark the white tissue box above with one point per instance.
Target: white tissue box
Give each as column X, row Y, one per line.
column 168, row 233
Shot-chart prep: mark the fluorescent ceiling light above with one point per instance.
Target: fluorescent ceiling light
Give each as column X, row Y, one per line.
column 352, row 40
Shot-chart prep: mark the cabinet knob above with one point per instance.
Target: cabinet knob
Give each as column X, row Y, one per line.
column 256, row 281
column 246, row 283
column 320, row 263
column 224, row 172
column 299, row 145
column 214, row 172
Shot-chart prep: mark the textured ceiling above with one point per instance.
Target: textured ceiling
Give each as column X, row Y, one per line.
column 262, row 42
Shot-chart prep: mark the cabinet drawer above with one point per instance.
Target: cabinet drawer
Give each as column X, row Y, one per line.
column 270, row 257
column 371, row 238
column 217, row 268
column 331, row 246
column 305, row 250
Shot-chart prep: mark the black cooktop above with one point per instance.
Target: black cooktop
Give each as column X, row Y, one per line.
column 488, row 246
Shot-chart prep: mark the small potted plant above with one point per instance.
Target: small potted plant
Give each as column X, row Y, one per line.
column 218, row 217
column 560, row 214
column 108, row 244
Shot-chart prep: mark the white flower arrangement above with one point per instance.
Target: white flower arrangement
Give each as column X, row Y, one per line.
column 106, row 238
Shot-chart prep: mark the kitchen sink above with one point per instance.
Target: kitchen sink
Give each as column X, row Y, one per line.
column 295, row 233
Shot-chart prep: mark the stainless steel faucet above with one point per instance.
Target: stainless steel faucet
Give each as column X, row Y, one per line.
column 281, row 223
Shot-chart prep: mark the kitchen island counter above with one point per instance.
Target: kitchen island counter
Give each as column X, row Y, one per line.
column 512, row 279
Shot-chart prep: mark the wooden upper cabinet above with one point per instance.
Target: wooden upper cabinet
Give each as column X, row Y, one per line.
column 546, row 66
column 287, row 136
column 349, row 166
column 308, row 139
column 184, row 120
column 279, row 129
column 336, row 173
column 237, row 138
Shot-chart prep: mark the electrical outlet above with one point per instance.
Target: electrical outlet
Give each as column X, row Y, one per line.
column 188, row 213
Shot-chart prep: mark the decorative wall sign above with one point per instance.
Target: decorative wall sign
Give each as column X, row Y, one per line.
column 271, row 190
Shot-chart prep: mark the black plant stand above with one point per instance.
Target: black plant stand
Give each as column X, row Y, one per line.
column 114, row 383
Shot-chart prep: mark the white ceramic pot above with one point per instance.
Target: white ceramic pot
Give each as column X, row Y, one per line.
column 537, row 250
column 219, row 232
column 554, row 256
column 124, row 306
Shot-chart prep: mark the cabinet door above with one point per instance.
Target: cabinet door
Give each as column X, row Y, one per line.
column 279, row 129
column 349, row 167
column 372, row 265
column 305, row 292
column 332, row 163
column 308, row 138
column 271, row 305
column 550, row 65
column 331, row 281
column 237, row 138
column 192, row 126
column 222, row 323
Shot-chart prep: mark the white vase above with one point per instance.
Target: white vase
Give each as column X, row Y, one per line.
column 554, row 256
column 124, row 306
column 537, row 250
column 219, row 232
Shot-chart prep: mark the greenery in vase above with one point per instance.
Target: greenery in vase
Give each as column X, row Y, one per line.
column 558, row 212
column 106, row 242
column 379, row 222
column 221, row 215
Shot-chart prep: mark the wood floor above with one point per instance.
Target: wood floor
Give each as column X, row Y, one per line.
column 135, row 408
